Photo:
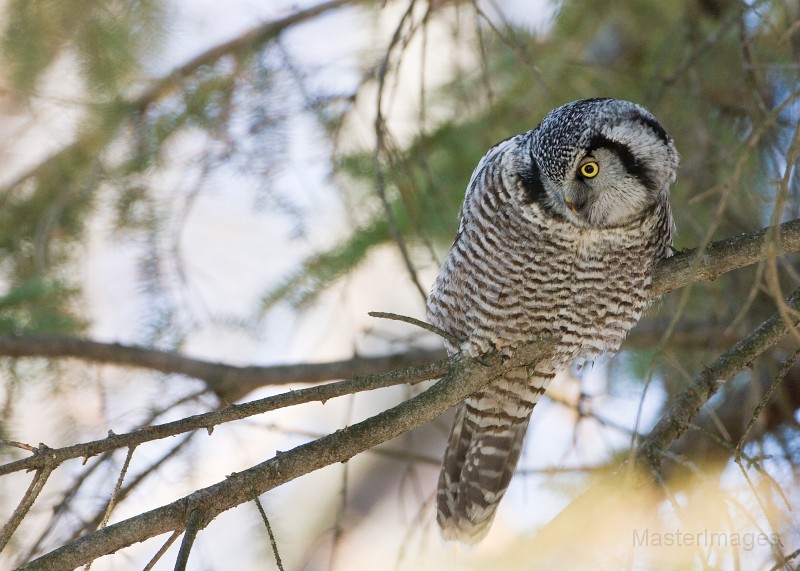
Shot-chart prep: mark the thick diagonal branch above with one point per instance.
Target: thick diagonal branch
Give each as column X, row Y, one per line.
column 723, row 256
column 686, row 405
column 465, row 377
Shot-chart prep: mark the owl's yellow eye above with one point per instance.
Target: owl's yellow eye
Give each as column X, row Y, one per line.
column 589, row 169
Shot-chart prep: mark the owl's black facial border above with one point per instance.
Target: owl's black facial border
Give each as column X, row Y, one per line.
column 634, row 167
column 655, row 126
column 534, row 189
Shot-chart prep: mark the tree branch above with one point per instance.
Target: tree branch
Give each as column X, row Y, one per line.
column 685, row 406
column 231, row 382
column 721, row 257
column 38, row 482
column 209, row 420
column 465, row 376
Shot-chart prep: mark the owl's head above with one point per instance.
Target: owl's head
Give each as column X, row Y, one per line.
column 597, row 162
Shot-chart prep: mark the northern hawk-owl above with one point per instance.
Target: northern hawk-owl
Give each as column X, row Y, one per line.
column 560, row 230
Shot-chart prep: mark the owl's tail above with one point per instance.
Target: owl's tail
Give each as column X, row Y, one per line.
column 482, row 454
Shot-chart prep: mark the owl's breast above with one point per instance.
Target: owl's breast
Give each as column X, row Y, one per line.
column 505, row 285
column 587, row 288
column 609, row 281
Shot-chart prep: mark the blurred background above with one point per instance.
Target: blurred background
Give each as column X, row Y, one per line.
column 242, row 182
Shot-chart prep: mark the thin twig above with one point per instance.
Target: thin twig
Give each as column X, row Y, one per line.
column 508, row 38
column 765, row 399
column 160, row 553
column 773, row 528
column 724, row 443
column 94, row 522
column 421, row 324
column 15, row 444
column 679, row 511
column 338, row 527
column 112, row 502
column 380, row 149
column 269, row 532
column 193, row 526
column 793, row 555
column 25, row 504
column 773, row 281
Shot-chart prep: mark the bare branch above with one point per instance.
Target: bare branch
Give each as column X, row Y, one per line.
column 91, row 524
column 195, row 524
column 381, row 133
column 465, row 376
column 421, row 324
column 232, row 383
column 15, row 444
column 272, row 541
column 112, row 502
column 787, row 366
column 161, row 551
column 686, row 405
column 722, row 257
column 25, row 504
column 228, row 381
column 234, row 412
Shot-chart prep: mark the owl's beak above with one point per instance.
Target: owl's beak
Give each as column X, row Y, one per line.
column 576, row 205
column 577, row 202
column 572, row 205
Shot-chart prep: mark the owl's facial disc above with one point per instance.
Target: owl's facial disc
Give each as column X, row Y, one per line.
column 608, row 185
column 598, row 162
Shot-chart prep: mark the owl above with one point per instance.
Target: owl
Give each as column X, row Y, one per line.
column 560, row 230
